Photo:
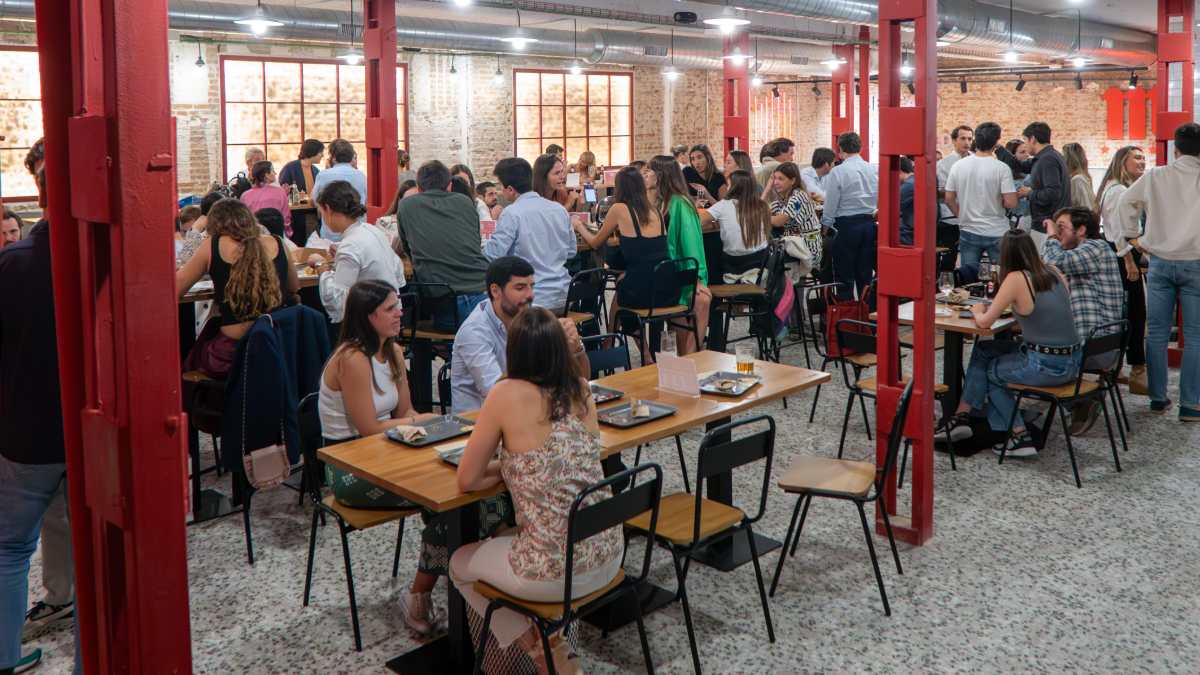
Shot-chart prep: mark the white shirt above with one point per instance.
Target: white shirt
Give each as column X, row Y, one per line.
column 1170, row 196
column 943, row 172
column 364, row 253
column 484, row 212
column 331, row 405
column 1110, row 217
column 539, row 231
column 812, row 182
column 978, row 183
column 725, row 213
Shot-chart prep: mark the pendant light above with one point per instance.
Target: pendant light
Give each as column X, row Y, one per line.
column 1077, row 59
column 519, row 39
column 498, row 76
column 906, row 69
column 352, row 56
column 576, row 68
column 757, row 80
column 727, row 22
column 199, row 55
column 669, row 72
column 258, row 20
column 1010, row 55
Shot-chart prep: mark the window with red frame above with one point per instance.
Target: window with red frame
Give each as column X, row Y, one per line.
column 591, row 111
column 20, row 120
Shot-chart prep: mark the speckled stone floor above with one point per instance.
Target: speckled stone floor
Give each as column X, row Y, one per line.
column 1024, row 573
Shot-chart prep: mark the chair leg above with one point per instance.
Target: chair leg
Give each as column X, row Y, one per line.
column 312, row 549
column 637, row 456
column 862, row 404
column 350, row 587
column 687, row 612
column 950, row 450
column 846, row 421
column 762, row 591
column 800, row 528
column 481, row 644
column 546, row 649
column 1011, row 419
column 1111, row 439
column 641, row 626
column 399, row 541
column 887, row 526
column 1062, row 415
column 1118, row 411
column 246, row 524
column 816, row 397
column 862, row 515
column 786, row 540
column 217, row 455
column 687, row 485
column 1121, row 404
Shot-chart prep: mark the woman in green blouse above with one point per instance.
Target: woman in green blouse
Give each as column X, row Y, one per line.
column 684, row 237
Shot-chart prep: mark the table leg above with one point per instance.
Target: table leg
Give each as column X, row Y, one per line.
column 732, row 552
column 422, row 375
column 952, row 372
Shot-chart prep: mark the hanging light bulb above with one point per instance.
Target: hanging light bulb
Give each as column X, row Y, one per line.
column 906, row 69
column 833, row 63
column 576, row 69
column 200, row 56
column 1010, row 56
column 352, row 56
column 1079, row 61
column 737, row 56
column 670, row 73
column 462, row 3
column 519, row 38
column 756, row 81
column 258, row 20
column 727, row 22
column 453, row 70
column 498, row 76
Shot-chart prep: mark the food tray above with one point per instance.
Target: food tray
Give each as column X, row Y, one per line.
column 437, row 430
column 744, row 383
column 601, row 394
column 621, row 416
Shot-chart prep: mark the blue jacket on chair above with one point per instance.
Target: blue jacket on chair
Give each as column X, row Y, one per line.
column 305, row 342
column 260, row 397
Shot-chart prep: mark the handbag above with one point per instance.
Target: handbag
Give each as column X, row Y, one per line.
column 835, row 311
column 268, row 466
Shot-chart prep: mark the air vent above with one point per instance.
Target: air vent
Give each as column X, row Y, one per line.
column 995, row 25
column 1107, row 43
column 799, row 60
column 685, row 17
column 654, row 50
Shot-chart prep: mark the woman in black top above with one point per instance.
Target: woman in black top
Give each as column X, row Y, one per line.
column 704, row 177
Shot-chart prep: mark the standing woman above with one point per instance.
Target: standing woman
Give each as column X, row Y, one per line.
column 745, row 222
column 1082, row 195
column 302, row 172
column 685, row 239
column 549, row 180
column 795, row 213
column 1127, row 166
column 704, row 179
column 265, row 194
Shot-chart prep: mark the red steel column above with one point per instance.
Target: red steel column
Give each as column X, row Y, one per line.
column 379, row 48
column 907, row 272
column 1173, row 47
column 841, row 94
column 737, row 92
column 864, row 91
column 110, row 178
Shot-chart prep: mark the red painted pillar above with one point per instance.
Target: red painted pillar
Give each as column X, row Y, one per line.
column 737, row 92
column 864, row 91
column 111, row 188
column 907, row 272
column 841, row 94
column 379, row 48
column 1173, row 48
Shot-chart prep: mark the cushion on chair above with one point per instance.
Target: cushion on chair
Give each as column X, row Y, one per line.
column 827, row 476
column 677, row 518
column 734, row 290
column 580, row 317
column 361, row 519
column 546, row 610
column 425, row 331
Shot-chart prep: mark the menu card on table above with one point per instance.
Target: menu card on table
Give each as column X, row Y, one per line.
column 677, row 375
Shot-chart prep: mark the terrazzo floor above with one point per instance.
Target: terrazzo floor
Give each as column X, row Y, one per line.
column 1024, row 573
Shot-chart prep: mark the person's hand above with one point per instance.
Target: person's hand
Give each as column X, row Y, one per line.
column 1024, row 191
column 573, row 340
column 701, row 191
column 1051, row 228
column 1132, row 272
column 979, row 309
column 421, row 417
column 316, row 260
column 333, row 249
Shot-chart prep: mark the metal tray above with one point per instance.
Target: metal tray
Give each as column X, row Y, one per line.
column 437, row 430
column 744, row 384
column 602, row 394
column 621, row 416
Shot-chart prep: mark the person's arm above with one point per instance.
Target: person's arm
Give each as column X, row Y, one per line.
column 952, row 202
column 833, row 196
column 355, row 383
column 1079, row 261
column 1010, row 289
column 477, row 468
column 691, row 238
column 335, row 285
column 192, row 270
column 1014, row 166
column 1111, row 220
column 597, row 240
column 504, row 239
column 575, row 344
column 293, row 280
column 1130, row 207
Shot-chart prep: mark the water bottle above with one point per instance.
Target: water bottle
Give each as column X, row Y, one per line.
column 985, row 274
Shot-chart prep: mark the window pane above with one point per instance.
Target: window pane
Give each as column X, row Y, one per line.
column 22, row 124
column 320, row 82
column 599, row 147
column 283, row 81
column 597, row 120
column 354, row 120
column 529, row 149
column 282, row 154
column 552, row 89
column 598, row 89
column 620, row 87
column 244, row 123
column 19, row 76
column 320, row 120
column 552, row 121
column 527, row 89
column 527, row 121
column 16, row 180
column 354, row 84
column 400, row 126
column 619, row 151
column 235, row 160
column 573, row 148
column 577, row 121
column 619, row 124
column 243, row 80
column 576, row 89
column 283, row 123
column 401, row 82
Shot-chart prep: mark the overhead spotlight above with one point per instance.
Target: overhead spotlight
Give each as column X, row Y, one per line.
column 906, row 69
column 1132, row 79
column 1079, row 61
column 1078, row 81
column 911, row 89
column 833, row 63
column 258, row 20
column 351, row 57
column 962, row 85
column 1010, row 56
column 775, row 91
column 736, row 56
column 756, row 81
column 576, row 69
column 727, row 22
column 1020, row 82
column 463, row 3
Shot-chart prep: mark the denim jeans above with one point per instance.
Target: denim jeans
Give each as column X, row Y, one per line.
column 970, row 250
column 854, row 254
column 443, row 317
column 25, row 494
column 995, row 363
column 1169, row 278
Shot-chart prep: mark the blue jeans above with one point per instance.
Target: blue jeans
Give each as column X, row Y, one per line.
column 995, row 363
column 854, row 254
column 970, row 250
column 1167, row 279
column 25, row 494
column 443, row 317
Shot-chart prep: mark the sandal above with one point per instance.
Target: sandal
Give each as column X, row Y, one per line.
column 956, row 420
column 1024, row 446
column 566, row 661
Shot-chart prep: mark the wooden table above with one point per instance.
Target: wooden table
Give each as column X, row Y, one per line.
column 418, row 475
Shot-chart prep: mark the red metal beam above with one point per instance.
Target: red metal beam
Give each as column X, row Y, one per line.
column 841, row 93
column 379, row 48
column 864, row 90
column 737, row 93
column 107, row 120
column 907, row 131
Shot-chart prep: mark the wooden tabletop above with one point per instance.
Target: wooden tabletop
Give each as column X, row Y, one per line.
column 954, row 323
column 306, row 281
column 418, row 475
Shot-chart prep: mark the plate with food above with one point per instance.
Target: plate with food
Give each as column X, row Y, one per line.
column 602, row 394
column 632, row 414
column 726, row 383
column 430, row 431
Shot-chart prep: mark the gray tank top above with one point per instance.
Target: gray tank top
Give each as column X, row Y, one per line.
column 1051, row 323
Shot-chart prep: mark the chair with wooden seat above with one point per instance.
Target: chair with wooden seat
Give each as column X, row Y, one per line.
column 348, row 519
column 818, row 299
column 585, row 301
column 677, row 275
column 687, row 523
column 584, row 522
column 858, row 482
column 1106, row 338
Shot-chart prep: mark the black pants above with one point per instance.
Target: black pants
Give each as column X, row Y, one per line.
column 947, row 237
column 854, row 254
column 1135, row 312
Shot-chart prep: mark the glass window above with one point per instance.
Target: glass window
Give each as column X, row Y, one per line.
column 20, row 118
column 592, row 111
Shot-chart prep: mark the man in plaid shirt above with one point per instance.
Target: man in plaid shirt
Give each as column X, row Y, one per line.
column 1076, row 247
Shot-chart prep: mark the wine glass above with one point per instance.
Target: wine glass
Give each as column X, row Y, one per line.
column 946, row 282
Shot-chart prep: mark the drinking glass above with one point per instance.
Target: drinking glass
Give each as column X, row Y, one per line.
column 667, row 344
column 745, row 358
column 946, row 282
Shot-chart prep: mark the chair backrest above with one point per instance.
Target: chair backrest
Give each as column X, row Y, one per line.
column 444, row 388
column 676, row 275
column 586, row 292
column 586, row 521
column 607, row 360
column 1106, row 338
column 410, row 303
column 311, row 439
column 718, row 456
column 817, row 300
column 895, row 436
column 432, row 296
column 853, row 337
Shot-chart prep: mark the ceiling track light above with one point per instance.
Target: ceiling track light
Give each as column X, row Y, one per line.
column 1020, row 82
column 815, row 89
column 258, row 20
column 775, row 91
column 962, row 85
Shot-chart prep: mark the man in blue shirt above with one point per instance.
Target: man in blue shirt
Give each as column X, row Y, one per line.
column 907, row 197
column 851, row 195
column 343, row 156
column 535, row 229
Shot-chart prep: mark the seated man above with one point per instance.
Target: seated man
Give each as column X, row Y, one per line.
column 481, row 345
column 1076, row 247
column 11, row 226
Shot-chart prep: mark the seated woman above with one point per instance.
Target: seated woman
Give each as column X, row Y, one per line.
column 267, row 195
column 251, row 276
column 549, row 181
column 795, row 213
column 364, row 392
column 735, row 160
column 387, row 222
column 704, row 178
column 1048, row 356
column 586, row 167
column 685, row 239
column 745, row 221
column 272, row 220
column 542, row 420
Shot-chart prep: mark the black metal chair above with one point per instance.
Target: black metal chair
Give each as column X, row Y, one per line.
column 1109, row 380
column 688, row 523
column 859, row 482
column 585, row 300
column 583, row 522
column 1103, row 339
column 818, row 298
column 678, row 275
column 444, row 388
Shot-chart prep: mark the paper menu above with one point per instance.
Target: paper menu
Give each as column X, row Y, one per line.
column 677, row 375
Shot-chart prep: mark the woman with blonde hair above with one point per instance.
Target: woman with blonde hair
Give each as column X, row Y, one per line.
column 1081, row 180
column 251, row 276
column 586, row 166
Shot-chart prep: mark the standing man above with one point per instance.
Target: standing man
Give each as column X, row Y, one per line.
column 851, row 195
column 1168, row 197
column 814, row 176
column 907, row 199
column 344, row 166
column 962, row 138
column 1048, row 189
column 535, row 229
column 979, row 189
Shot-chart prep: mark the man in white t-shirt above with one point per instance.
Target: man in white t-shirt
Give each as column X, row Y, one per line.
column 979, row 189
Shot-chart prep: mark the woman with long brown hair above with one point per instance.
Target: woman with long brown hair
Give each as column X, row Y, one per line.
column 794, row 213
column 735, row 160
column 1081, row 180
column 1128, row 165
column 251, row 275
column 685, row 239
column 704, row 178
column 549, row 181
column 1048, row 356
column 745, row 222
column 542, row 421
